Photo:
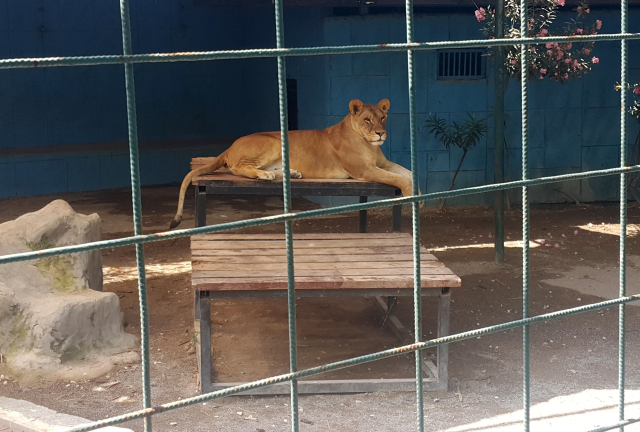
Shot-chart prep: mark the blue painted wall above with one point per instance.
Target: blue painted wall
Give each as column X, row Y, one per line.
column 573, row 126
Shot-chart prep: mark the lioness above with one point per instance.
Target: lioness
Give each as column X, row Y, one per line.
column 350, row 149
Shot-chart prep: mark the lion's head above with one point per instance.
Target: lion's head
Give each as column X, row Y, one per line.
column 370, row 121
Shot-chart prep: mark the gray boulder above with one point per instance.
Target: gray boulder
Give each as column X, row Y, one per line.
column 54, row 320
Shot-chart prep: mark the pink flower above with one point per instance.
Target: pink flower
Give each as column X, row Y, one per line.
column 480, row 14
column 598, row 24
column 566, row 76
column 579, row 31
column 575, row 232
column 586, row 51
column 543, row 71
column 575, row 63
column 544, row 32
column 581, row 68
column 588, row 10
column 567, row 61
column 534, row 67
column 556, row 74
column 637, row 91
column 514, row 61
column 560, row 2
column 595, row 60
column 557, row 245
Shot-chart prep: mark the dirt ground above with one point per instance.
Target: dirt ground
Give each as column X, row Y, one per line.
column 574, row 261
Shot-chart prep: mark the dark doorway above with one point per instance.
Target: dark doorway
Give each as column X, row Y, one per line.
column 292, row 103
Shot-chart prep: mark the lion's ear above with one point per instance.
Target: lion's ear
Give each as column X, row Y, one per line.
column 355, row 106
column 384, row 105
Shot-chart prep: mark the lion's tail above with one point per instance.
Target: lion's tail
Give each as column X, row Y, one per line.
column 207, row 169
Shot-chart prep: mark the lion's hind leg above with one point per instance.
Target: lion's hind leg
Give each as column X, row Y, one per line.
column 252, row 172
column 265, row 174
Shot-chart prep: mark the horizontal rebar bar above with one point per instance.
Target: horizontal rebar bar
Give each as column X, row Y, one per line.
column 127, row 241
column 21, row 63
column 616, row 425
column 351, row 362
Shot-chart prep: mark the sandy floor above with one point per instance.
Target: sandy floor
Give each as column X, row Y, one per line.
column 573, row 360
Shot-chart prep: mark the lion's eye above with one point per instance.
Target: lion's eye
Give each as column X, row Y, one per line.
column 367, row 120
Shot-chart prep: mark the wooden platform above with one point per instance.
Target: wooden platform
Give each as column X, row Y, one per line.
column 222, row 182
column 326, row 265
column 322, row 261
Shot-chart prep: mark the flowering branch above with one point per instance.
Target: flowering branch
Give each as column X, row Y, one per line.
column 634, row 110
column 556, row 61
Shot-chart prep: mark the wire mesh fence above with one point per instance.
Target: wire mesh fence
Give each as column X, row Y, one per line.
column 128, row 59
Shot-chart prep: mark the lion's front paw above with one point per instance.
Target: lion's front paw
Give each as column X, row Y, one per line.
column 296, row 174
column 266, row 175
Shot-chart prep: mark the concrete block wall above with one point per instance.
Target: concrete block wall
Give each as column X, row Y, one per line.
column 573, row 127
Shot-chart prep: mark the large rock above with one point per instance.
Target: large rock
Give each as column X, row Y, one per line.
column 54, row 319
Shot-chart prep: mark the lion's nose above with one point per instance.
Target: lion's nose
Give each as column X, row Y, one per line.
column 380, row 134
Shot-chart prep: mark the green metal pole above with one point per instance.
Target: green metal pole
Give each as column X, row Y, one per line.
column 288, row 226
column 137, row 209
column 415, row 212
column 623, row 208
column 524, row 69
column 499, row 82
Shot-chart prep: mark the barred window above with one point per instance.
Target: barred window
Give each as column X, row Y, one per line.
column 461, row 65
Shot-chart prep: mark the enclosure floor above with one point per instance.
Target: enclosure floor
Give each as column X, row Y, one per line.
column 573, row 363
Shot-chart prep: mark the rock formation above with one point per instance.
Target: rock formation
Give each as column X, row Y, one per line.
column 54, row 320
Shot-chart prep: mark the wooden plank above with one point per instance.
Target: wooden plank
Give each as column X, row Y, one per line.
column 314, row 236
column 380, row 250
column 355, row 282
column 196, row 257
column 337, row 386
column 203, row 266
column 275, row 273
column 298, row 244
column 229, row 177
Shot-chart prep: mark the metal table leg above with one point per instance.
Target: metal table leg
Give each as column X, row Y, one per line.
column 363, row 216
column 203, row 326
column 397, row 215
column 444, row 307
column 201, row 206
column 201, row 220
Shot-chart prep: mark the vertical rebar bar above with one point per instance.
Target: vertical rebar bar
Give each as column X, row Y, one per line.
column 524, row 69
column 415, row 213
column 623, row 208
column 498, row 141
column 137, row 208
column 288, row 226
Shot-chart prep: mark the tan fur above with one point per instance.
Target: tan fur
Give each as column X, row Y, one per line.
column 350, row 149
